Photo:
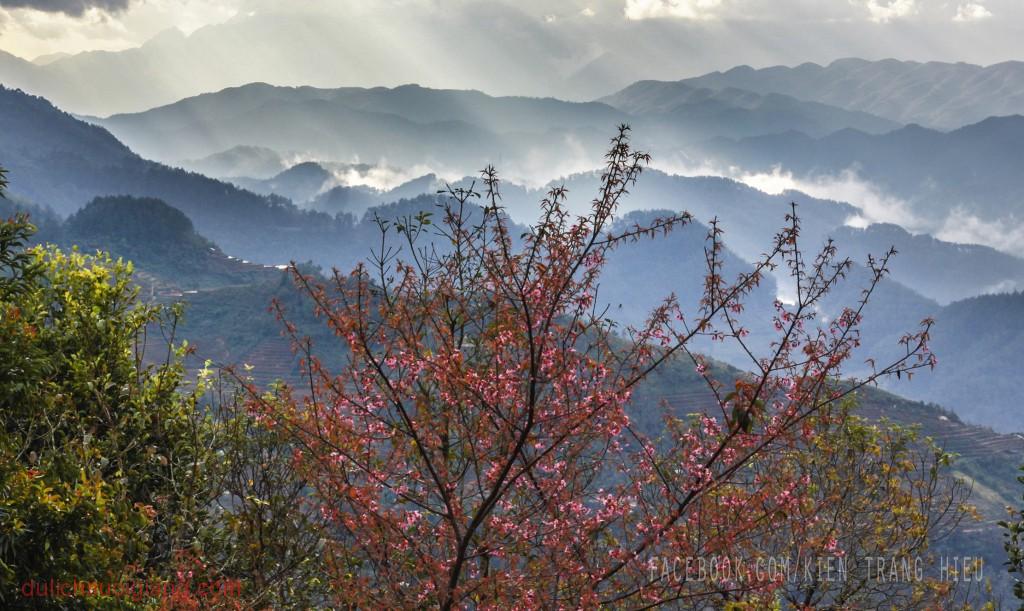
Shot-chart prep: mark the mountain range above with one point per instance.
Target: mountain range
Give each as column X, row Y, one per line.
column 973, row 171
column 249, row 161
column 62, row 163
column 675, row 102
column 457, row 129
column 58, row 162
column 933, row 94
column 956, row 185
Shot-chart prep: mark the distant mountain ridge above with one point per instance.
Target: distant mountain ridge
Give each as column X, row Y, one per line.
column 928, row 265
column 160, row 241
column 285, row 119
column 975, row 170
column 336, row 188
column 412, row 124
column 299, row 183
column 682, row 101
column 749, row 217
column 934, row 94
column 62, row 163
column 249, row 161
column 980, row 345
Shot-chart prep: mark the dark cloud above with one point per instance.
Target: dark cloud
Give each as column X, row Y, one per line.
column 68, row 7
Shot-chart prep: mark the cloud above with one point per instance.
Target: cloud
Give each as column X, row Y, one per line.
column 69, row 7
column 384, row 177
column 542, row 164
column 883, row 11
column 876, row 206
column 971, row 11
column 686, row 9
column 1006, row 234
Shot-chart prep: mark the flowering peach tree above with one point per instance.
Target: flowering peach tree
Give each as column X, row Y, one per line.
column 475, row 448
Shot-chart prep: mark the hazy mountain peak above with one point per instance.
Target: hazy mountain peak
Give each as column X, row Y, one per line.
column 742, row 69
column 732, row 109
column 1012, row 122
column 168, row 36
column 49, row 58
column 935, row 94
column 241, row 160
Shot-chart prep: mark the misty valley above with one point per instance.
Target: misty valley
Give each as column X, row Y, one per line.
column 590, row 317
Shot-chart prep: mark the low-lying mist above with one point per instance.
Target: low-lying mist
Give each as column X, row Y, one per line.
column 874, row 203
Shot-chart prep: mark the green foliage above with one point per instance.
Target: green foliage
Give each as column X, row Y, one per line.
column 147, row 220
column 1014, row 545
column 112, row 468
column 157, row 238
column 17, row 267
column 263, row 533
column 95, row 445
column 891, row 495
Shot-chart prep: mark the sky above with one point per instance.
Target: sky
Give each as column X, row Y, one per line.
column 924, row 29
column 34, row 28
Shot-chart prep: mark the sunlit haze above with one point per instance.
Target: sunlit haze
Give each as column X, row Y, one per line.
column 575, row 49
